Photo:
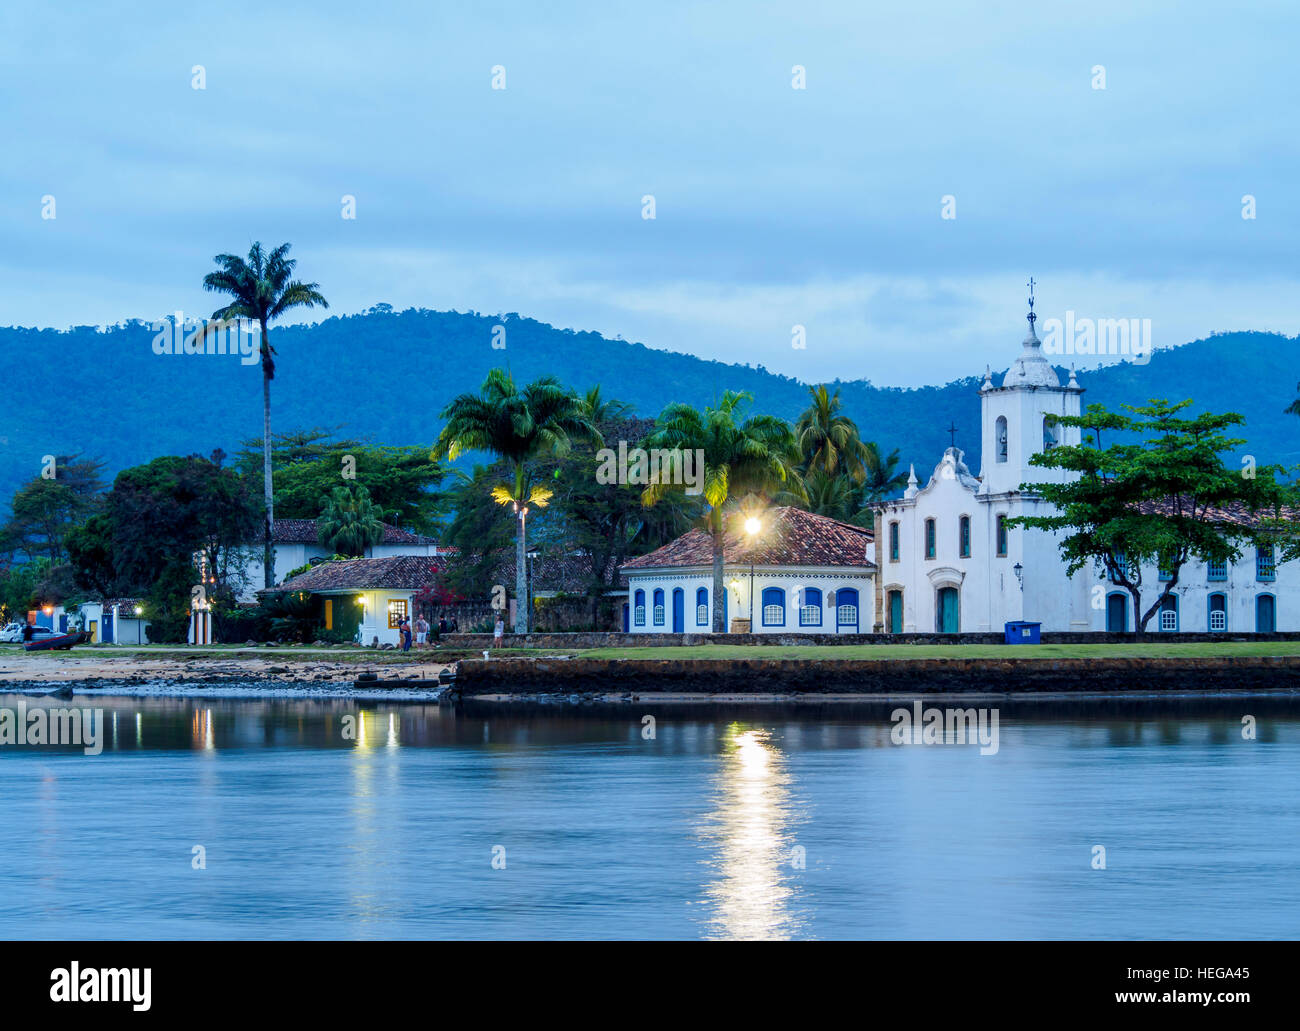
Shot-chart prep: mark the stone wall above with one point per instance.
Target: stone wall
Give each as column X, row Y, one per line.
column 575, row 641
column 898, row 677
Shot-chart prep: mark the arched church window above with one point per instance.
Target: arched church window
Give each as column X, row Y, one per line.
column 1049, row 432
column 1001, row 430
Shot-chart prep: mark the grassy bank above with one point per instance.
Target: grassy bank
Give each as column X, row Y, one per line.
column 829, row 653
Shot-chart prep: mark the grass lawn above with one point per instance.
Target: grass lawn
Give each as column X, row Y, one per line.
column 832, row 652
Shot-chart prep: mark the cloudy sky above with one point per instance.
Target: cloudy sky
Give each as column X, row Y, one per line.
column 775, row 206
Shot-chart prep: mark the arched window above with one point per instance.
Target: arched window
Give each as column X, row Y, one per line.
column 702, row 607
column 1218, row 620
column 1049, row 432
column 1265, row 614
column 1002, row 536
column 810, row 607
column 929, row 538
column 638, row 610
column 1169, row 613
column 1000, row 439
column 893, row 542
column 659, row 607
column 964, row 537
column 773, row 606
column 846, row 610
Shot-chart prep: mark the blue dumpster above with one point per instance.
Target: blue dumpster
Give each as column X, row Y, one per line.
column 1020, row 631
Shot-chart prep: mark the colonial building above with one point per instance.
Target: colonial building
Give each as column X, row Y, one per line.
column 948, row 561
column 296, row 544
column 795, row 572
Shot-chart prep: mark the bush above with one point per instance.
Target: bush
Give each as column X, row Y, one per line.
column 235, row 626
column 335, row 636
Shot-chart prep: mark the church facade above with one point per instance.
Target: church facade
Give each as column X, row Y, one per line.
column 948, row 562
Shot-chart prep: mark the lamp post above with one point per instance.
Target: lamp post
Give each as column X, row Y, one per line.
column 752, row 529
column 139, row 629
column 532, row 566
column 1019, row 570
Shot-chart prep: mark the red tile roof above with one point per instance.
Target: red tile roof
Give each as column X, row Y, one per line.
column 791, row 537
column 396, row 573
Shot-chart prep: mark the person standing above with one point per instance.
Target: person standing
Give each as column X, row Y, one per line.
column 405, row 629
column 498, row 633
column 421, row 631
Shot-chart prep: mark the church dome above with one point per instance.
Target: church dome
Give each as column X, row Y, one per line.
column 1031, row 369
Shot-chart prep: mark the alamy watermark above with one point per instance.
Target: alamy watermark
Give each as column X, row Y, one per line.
column 83, row 728
column 643, row 467
column 182, row 334
column 933, row 726
column 1129, row 337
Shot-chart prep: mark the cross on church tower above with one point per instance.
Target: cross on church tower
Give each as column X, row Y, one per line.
column 952, row 434
column 1031, row 315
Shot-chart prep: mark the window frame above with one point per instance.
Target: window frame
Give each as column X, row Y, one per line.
column 765, row 604
column 963, row 537
column 931, row 539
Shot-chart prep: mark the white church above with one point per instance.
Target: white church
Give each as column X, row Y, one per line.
column 942, row 558
column 949, row 563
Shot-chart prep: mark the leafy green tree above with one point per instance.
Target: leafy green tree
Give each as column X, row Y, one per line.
column 521, row 427
column 758, row 455
column 45, row 510
column 262, row 289
column 478, row 531
column 309, row 464
column 1161, row 495
column 350, row 522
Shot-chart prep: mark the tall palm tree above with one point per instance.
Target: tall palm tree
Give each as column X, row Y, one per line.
column 829, row 439
column 882, row 475
column 756, row 456
column 521, row 427
column 262, row 289
column 350, row 521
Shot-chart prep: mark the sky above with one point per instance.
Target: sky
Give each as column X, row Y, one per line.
column 775, row 207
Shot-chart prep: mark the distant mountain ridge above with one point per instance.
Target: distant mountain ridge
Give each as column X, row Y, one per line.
column 386, row 375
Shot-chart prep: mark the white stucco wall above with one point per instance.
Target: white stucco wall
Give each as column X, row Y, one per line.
column 788, row 580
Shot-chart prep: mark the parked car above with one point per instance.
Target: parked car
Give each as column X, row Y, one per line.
column 14, row 633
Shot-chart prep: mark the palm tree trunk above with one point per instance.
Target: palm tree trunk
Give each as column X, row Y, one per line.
column 521, row 579
column 268, row 551
column 719, row 613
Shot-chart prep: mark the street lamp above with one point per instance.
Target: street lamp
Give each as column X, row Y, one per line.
column 752, row 529
column 1019, row 570
column 139, row 628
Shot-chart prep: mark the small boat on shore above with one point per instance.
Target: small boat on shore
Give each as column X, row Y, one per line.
column 57, row 642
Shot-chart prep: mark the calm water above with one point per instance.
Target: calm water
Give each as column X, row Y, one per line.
column 695, row 833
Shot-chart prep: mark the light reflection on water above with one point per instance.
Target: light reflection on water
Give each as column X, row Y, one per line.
column 749, row 828
column 325, row 818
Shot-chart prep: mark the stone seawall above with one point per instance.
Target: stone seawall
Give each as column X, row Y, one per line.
column 528, row 676
column 577, row 641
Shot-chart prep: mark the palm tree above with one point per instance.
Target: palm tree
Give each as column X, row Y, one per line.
column 521, row 427
column 882, row 478
column 262, row 290
column 756, row 456
column 350, row 521
column 834, row 495
column 829, row 439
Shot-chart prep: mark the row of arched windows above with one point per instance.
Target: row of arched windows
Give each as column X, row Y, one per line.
column 808, row 603
column 1000, row 435
column 932, row 533
column 1168, row 619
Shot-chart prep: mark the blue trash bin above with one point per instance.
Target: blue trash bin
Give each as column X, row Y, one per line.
column 1020, row 631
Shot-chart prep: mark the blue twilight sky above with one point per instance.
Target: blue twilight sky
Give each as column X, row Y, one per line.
column 775, row 206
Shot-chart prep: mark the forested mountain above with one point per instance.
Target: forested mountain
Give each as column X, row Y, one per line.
column 386, row 375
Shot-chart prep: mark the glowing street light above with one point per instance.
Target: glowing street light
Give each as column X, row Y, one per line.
column 753, row 527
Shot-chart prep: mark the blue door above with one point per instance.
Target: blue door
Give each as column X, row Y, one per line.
column 1265, row 614
column 1117, row 613
column 948, row 617
column 846, row 611
column 679, row 611
column 63, row 623
column 627, row 626
column 895, row 612
column 108, row 628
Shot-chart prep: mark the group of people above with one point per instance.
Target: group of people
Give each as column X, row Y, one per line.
column 421, row 631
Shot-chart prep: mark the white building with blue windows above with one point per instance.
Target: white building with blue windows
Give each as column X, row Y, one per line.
column 796, row 573
column 949, row 563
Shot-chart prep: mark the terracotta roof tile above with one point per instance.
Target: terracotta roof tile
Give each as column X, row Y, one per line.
column 791, row 537
column 398, row 572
